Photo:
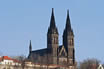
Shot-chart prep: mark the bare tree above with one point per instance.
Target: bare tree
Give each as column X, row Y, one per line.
column 89, row 64
column 21, row 59
column 103, row 64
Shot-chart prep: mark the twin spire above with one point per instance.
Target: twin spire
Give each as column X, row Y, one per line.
column 53, row 27
column 52, row 22
column 68, row 24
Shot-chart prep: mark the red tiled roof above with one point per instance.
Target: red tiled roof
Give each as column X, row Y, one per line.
column 6, row 57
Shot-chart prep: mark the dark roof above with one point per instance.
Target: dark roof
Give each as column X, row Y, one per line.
column 41, row 52
column 44, row 51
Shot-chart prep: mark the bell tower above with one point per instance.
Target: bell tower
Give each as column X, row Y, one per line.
column 52, row 39
column 68, row 41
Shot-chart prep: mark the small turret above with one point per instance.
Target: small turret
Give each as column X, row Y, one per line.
column 30, row 47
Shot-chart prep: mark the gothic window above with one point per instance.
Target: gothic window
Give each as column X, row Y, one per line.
column 55, row 40
column 52, row 40
column 72, row 41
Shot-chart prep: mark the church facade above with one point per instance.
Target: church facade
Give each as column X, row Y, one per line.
column 55, row 54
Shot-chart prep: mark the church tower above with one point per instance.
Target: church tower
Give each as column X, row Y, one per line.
column 52, row 40
column 68, row 41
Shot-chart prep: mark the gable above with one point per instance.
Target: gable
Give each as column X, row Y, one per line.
column 62, row 52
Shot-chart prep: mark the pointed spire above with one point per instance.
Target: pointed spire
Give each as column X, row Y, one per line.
column 30, row 47
column 52, row 22
column 52, row 28
column 68, row 24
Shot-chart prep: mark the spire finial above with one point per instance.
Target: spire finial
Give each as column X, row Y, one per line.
column 68, row 15
column 30, row 42
column 68, row 12
column 52, row 10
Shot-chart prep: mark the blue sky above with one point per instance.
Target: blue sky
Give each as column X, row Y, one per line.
column 25, row 20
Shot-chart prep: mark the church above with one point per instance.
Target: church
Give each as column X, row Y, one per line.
column 55, row 54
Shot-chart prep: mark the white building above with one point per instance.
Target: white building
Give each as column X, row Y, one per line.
column 9, row 63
